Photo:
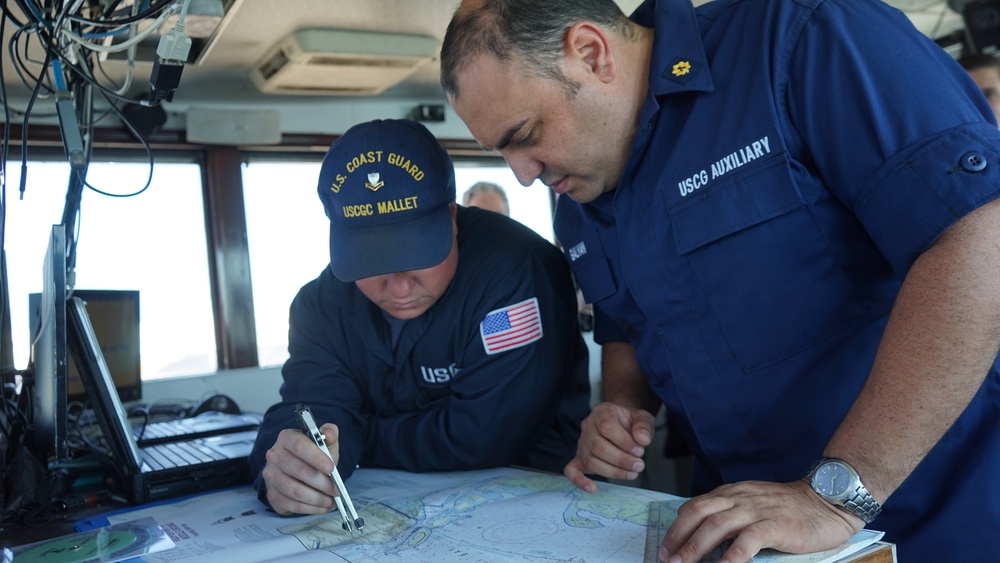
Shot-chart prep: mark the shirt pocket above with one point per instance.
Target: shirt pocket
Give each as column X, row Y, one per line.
column 771, row 279
column 591, row 268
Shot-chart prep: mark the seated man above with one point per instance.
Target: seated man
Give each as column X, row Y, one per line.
column 440, row 338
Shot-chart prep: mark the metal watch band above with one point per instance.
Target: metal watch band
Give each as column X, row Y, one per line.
column 862, row 504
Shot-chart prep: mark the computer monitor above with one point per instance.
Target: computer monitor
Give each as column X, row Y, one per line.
column 48, row 354
column 114, row 315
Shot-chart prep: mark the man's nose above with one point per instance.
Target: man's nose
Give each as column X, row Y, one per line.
column 400, row 284
column 526, row 169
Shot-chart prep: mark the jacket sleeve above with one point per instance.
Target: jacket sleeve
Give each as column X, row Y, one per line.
column 499, row 404
column 315, row 375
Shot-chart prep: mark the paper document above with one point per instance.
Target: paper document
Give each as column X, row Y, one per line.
column 490, row 516
column 480, row 516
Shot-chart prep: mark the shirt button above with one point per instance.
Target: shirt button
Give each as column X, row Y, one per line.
column 973, row 162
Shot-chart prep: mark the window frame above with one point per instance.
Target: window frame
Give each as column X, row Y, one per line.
column 225, row 219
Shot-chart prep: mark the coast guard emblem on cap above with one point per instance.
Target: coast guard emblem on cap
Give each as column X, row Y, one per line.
column 511, row 327
column 373, row 182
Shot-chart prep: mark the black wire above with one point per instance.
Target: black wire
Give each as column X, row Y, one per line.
column 20, row 65
column 145, row 421
column 110, row 8
column 105, row 91
column 101, row 117
column 4, row 150
column 100, row 67
column 145, row 145
column 12, row 415
column 10, row 15
column 24, row 127
column 45, row 42
column 153, row 10
column 31, row 14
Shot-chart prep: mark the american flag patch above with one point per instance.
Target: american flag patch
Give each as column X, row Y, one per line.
column 511, row 327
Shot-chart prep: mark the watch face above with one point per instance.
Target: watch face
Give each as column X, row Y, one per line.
column 832, row 479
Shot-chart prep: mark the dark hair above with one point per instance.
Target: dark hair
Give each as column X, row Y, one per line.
column 526, row 32
column 979, row 60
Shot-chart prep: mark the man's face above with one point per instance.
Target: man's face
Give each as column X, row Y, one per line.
column 571, row 142
column 988, row 80
column 407, row 295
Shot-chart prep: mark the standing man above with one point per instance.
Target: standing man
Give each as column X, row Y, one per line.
column 440, row 338
column 789, row 237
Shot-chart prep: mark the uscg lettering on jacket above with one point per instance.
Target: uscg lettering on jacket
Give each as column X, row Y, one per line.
column 725, row 165
column 439, row 375
column 577, row 251
column 689, row 185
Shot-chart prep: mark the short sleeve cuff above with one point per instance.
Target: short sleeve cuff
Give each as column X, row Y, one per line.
column 923, row 191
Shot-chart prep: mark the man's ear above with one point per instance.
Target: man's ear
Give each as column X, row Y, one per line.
column 588, row 49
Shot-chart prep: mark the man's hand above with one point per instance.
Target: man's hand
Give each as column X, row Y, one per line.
column 297, row 473
column 789, row 517
column 612, row 442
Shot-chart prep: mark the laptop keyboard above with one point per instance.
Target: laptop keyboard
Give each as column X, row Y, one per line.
column 206, row 424
column 165, row 429
column 179, row 454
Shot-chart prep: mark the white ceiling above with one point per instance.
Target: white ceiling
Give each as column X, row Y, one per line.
column 251, row 27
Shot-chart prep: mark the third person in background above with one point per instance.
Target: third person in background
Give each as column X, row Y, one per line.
column 985, row 71
column 789, row 239
column 487, row 195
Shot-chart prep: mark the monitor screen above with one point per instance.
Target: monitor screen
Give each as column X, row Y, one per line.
column 114, row 315
column 48, row 353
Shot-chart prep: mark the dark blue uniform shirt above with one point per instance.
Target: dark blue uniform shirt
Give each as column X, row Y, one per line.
column 439, row 401
column 793, row 159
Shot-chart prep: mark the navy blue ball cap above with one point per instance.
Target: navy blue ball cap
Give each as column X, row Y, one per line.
column 387, row 187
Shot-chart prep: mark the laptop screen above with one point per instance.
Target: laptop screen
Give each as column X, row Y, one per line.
column 99, row 386
column 48, row 353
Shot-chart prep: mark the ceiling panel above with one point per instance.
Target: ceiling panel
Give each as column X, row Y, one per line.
column 251, row 27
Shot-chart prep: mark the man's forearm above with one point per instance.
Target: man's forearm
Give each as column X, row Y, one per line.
column 622, row 381
column 940, row 341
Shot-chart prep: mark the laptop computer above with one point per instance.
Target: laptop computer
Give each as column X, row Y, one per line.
column 154, row 472
column 210, row 423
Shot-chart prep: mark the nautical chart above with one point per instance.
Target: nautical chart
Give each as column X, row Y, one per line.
column 494, row 516
column 491, row 516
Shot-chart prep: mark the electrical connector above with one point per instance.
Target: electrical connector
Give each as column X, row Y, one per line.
column 163, row 81
column 171, row 54
column 174, row 47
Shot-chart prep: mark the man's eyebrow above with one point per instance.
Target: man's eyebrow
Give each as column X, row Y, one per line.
column 508, row 135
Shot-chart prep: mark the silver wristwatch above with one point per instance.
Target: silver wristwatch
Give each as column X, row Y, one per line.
column 838, row 483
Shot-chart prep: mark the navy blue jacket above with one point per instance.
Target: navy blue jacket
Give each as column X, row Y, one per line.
column 793, row 159
column 441, row 402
